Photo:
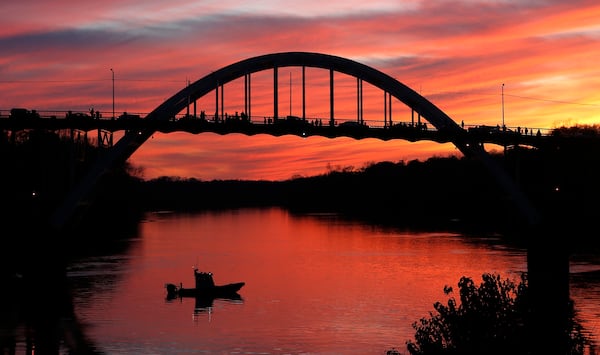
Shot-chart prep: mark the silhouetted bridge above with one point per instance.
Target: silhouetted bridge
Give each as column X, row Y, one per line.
column 413, row 130
column 427, row 122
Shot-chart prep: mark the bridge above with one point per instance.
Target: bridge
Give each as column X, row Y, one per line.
column 413, row 130
column 548, row 268
column 178, row 113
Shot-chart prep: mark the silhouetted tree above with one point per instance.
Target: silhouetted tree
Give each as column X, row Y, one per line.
column 489, row 319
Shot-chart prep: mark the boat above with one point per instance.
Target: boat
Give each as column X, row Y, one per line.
column 205, row 287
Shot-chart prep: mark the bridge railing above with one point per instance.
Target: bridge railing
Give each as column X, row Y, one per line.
column 262, row 120
column 62, row 114
column 315, row 121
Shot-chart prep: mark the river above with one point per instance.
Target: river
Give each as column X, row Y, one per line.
column 314, row 284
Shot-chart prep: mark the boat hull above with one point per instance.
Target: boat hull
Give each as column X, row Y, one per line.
column 218, row 291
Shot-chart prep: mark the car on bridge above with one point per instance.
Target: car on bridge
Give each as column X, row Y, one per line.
column 353, row 124
column 23, row 114
column 352, row 128
column 129, row 117
column 78, row 116
column 292, row 122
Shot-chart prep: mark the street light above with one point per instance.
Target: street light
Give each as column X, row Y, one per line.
column 502, row 105
column 503, row 126
column 113, row 92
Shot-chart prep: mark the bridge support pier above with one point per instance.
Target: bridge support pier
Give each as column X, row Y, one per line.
column 548, row 278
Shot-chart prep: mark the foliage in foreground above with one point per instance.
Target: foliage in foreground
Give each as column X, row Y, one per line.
column 490, row 319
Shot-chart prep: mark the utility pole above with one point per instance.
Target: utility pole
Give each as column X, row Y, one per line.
column 503, row 125
column 113, row 92
column 503, row 106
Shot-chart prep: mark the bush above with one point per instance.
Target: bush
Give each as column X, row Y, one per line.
column 490, row 319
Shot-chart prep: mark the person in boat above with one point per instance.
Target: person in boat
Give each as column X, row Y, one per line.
column 203, row 279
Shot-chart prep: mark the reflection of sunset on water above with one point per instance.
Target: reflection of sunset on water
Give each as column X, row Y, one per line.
column 316, row 281
column 542, row 52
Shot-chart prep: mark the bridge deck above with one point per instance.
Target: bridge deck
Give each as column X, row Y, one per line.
column 283, row 126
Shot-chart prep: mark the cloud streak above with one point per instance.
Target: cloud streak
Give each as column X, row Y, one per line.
column 455, row 53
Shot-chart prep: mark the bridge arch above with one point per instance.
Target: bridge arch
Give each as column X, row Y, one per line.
column 393, row 87
column 132, row 140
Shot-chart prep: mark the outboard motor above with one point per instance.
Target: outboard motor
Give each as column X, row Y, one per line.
column 171, row 290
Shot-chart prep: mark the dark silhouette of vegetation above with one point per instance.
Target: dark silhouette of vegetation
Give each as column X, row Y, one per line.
column 39, row 168
column 437, row 191
column 489, row 318
column 440, row 192
column 560, row 179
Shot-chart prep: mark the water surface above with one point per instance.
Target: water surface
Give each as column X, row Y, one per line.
column 315, row 284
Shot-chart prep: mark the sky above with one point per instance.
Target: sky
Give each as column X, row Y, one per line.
column 528, row 63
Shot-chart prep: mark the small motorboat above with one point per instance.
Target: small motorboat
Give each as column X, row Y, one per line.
column 205, row 287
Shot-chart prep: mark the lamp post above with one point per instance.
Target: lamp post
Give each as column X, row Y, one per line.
column 113, row 92
column 503, row 126
column 503, row 105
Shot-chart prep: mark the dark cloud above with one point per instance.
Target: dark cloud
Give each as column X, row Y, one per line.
column 59, row 40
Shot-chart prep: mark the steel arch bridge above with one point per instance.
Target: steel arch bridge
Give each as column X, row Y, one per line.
column 82, row 194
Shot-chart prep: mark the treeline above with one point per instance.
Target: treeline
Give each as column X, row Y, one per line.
column 40, row 167
column 439, row 190
column 446, row 192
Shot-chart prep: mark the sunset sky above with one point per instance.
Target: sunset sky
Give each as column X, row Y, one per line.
column 58, row 55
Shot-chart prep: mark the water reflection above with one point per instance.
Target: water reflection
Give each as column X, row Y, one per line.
column 205, row 304
column 38, row 309
column 38, row 314
column 314, row 285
